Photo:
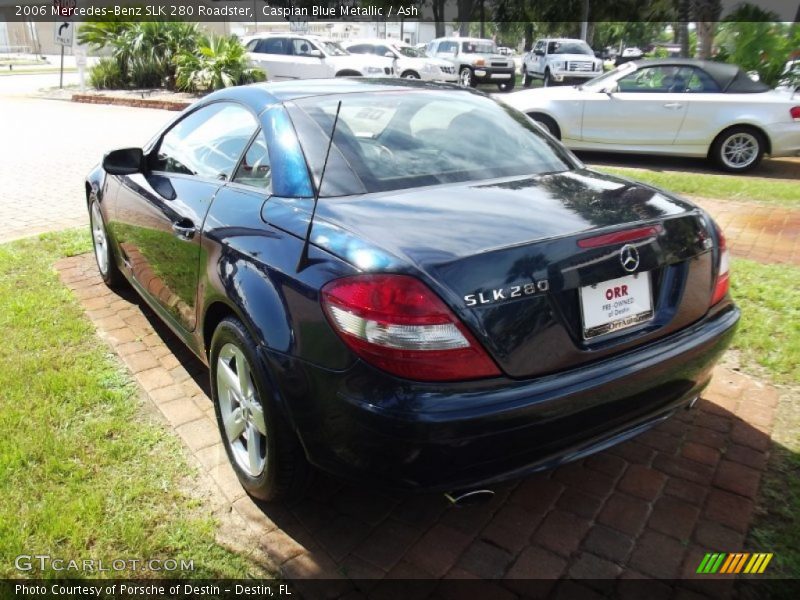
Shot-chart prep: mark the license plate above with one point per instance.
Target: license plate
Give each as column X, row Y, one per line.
column 616, row 304
column 501, row 75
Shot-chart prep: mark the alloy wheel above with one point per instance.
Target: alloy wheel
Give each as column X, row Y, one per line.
column 99, row 239
column 740, row 150
column 466, row 77
column 241, row 410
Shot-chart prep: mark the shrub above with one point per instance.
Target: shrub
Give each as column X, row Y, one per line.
column 218, row 62
column 105, row 74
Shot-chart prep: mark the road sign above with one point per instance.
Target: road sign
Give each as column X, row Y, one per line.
column 63, row 33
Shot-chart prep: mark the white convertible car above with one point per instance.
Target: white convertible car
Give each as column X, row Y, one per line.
column 681, row 107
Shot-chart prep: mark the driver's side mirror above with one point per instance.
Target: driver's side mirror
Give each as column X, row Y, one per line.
column 126, row 161
column 315, row 53
column 539, row 52
column 389, row 54
column 610, row 90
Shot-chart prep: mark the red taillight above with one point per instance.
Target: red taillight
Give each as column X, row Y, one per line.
column 399, row 325
column 723, row 282
column 629, row 235
column 795, row 112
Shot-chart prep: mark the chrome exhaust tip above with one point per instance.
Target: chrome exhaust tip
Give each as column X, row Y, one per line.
column 469, row 498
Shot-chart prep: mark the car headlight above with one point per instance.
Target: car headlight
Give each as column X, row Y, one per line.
column 558, row 65
column 373, row 70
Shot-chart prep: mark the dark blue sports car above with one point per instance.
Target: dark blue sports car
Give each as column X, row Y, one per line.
column 410, row 284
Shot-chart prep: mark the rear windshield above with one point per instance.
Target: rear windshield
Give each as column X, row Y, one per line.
column 569, row 48
column 416, row 138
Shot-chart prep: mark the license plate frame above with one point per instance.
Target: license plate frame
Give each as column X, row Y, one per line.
column 630, row 304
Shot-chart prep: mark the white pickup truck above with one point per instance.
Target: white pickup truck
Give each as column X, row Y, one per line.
column 560, row 60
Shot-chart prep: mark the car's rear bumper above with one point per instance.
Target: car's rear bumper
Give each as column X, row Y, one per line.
column 784, row 138
column 366, row 425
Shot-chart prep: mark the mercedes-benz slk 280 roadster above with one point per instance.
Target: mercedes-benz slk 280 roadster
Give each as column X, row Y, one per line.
column 410, row 284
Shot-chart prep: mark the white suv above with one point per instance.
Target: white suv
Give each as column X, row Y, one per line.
column 561, row 60
column 290, row 56
column 477, row 61
column 409, row 62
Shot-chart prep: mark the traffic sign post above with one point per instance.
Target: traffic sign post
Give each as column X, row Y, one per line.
column 63, row 34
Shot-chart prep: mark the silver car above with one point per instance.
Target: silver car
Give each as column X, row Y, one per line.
column 681, row 107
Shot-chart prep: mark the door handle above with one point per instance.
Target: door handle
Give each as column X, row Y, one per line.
column 184, row 229
column 673, row 105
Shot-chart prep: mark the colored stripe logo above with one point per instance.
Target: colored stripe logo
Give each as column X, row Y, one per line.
column 737, row 562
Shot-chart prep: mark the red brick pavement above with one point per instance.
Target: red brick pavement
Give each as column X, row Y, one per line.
column 761, row 232
column 648, row 508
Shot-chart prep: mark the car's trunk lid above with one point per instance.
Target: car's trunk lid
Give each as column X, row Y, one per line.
column 505, row 255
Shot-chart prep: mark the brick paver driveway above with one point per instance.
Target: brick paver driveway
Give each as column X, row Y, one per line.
column 649, row 508
column 46, row 149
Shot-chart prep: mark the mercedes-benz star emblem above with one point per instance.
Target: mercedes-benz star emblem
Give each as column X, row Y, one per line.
column 629, row 257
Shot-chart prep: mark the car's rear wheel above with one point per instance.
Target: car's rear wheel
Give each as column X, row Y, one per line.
column 102, row 247
column 526, row 79
column 264, row 452
column 738, row 149
column 410, row 75
column 466, row 78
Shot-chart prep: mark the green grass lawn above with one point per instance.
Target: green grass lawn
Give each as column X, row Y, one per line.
column 769, row 331
column 722, row 187
column 85, row 471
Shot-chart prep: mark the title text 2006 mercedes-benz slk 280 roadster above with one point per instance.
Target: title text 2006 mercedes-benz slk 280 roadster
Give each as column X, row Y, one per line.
column 437, row 296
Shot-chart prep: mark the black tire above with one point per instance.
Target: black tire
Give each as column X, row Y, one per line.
column 507, row 86
column 466, row 77
column 527, row 80
column 548, row 81
column 548, row 124
column 410, row 75
column 349, row 74
column 107, row 267
column 285, row 471
column 724, row 152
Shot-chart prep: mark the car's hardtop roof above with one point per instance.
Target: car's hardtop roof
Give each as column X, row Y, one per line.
column 259, row 96
column 730, row 78
column 561, row 40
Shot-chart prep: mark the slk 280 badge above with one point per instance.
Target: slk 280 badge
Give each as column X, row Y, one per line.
column 509, row 293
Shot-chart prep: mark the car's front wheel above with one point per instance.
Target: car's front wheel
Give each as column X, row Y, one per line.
column 410, row 75
column 264, row 452
column 102, row 247
column 548, row 80
column 466, row 78
column 738, row 149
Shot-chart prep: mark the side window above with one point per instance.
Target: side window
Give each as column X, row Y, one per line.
column 360, row 49
column 448, row 47
column 251, row 45
column 274, row 46
column 660, row 79
column 301, row 47
column 552, row 47
column 207, row 143
column 539, row 46
column 381, row 50
column 254, row 170
column 700, row 82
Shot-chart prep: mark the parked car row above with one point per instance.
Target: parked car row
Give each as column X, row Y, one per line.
column 469, row 61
